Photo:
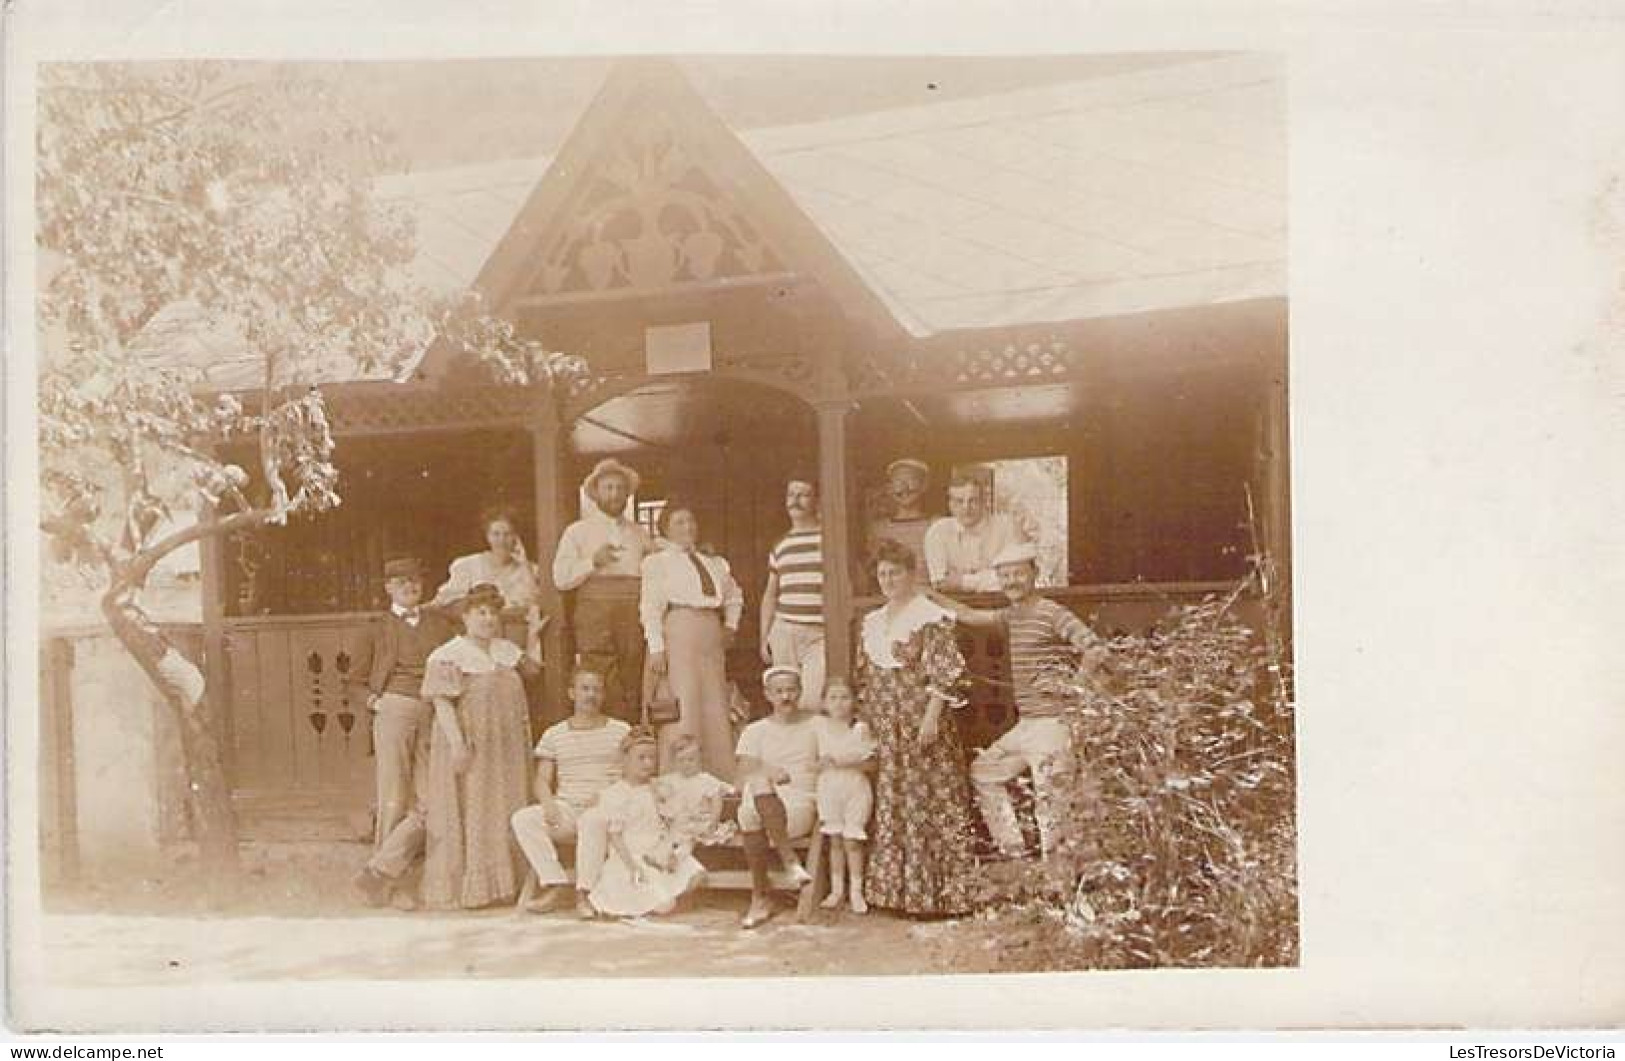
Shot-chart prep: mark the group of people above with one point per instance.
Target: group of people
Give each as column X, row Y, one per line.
column 647, row 769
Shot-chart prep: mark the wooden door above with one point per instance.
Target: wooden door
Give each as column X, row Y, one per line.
column 302, row 738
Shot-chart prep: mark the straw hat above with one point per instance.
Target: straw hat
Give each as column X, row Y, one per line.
column 611, row 466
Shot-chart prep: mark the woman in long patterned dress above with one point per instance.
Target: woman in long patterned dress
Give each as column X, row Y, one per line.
column 921, row 859
column 479, row 759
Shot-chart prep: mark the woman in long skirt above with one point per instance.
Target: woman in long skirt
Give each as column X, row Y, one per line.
column 690, row 606
column 479, row 759
column 921, row 858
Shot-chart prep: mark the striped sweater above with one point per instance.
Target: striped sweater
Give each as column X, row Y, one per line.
column 798, row 561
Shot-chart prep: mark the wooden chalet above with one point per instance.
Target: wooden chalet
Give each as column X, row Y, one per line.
column 1092, row 271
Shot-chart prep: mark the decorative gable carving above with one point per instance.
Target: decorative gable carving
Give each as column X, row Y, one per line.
column 648, row 216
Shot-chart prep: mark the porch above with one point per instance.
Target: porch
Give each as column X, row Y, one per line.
column 730, row 341
column 1157, row 474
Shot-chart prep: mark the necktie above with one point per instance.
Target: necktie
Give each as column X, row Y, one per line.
column 708, row 585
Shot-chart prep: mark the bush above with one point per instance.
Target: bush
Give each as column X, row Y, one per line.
column 1175, row 839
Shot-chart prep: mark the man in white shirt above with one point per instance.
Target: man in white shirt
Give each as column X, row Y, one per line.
column 778, row 771
column 599, row 558
column 960, row 548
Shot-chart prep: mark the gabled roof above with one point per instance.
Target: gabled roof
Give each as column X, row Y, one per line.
column 1155, row 189
column 1150, row 190
column 651, row 96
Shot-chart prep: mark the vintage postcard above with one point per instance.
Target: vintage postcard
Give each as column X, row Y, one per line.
column 715, row 522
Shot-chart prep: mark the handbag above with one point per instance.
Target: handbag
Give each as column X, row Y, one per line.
column 660, row 707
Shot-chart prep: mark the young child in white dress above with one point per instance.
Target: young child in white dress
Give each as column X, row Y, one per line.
column 846, row 751
column 691, row 799
column 644, row 874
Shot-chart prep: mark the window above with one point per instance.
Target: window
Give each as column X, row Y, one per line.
column 647, row 514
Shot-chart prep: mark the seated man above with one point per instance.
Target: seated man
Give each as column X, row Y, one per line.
column 959, row 549
column 575, row 760
column 1047, row 643
column 778, row 785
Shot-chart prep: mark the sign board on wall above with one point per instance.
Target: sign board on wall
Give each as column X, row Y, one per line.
column 672, row 348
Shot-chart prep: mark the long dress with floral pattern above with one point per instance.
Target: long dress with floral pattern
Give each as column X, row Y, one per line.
column 471, row 858
column 920, row 859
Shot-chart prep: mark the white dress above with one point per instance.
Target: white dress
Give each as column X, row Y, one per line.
column 693, row 806
column 632, row 813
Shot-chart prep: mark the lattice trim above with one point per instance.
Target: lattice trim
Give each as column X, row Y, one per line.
column 1009, row 365
column 415, row 408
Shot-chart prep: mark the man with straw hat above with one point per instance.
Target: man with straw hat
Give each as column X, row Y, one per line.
column 599, row 558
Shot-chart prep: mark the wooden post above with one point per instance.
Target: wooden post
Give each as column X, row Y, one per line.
column 1278, row 478
column 1276, row 504
column 57, row 735
column 216, row 672
column 552, row 515
column 834, row 489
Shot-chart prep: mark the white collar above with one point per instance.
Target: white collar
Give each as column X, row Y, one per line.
column 879, row 635
column 404, row 612
column 470, row 659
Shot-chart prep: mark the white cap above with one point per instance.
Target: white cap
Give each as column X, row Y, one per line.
column 777, row 669
column 1017, row 553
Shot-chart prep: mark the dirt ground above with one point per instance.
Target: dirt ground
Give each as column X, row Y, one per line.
column 297, row 919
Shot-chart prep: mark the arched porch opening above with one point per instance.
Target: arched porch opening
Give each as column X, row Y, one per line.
column 724, row 447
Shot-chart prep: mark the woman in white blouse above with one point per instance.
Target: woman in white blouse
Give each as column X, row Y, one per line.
column 503, row 564
column 690, row 606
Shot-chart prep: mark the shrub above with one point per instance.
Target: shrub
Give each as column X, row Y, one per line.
column 1175, row 838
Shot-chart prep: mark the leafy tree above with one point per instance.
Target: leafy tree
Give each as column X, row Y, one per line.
column 237, row 197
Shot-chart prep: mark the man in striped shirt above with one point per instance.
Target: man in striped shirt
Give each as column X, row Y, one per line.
column 792, row 629
column 575, row 761
column 1048, row 644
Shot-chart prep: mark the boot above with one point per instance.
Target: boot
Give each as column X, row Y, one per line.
column 776, row 823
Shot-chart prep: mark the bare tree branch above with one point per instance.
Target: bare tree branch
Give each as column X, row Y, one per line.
column 135, row 572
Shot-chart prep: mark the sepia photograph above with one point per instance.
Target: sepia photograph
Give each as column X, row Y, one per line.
column 664, row 516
